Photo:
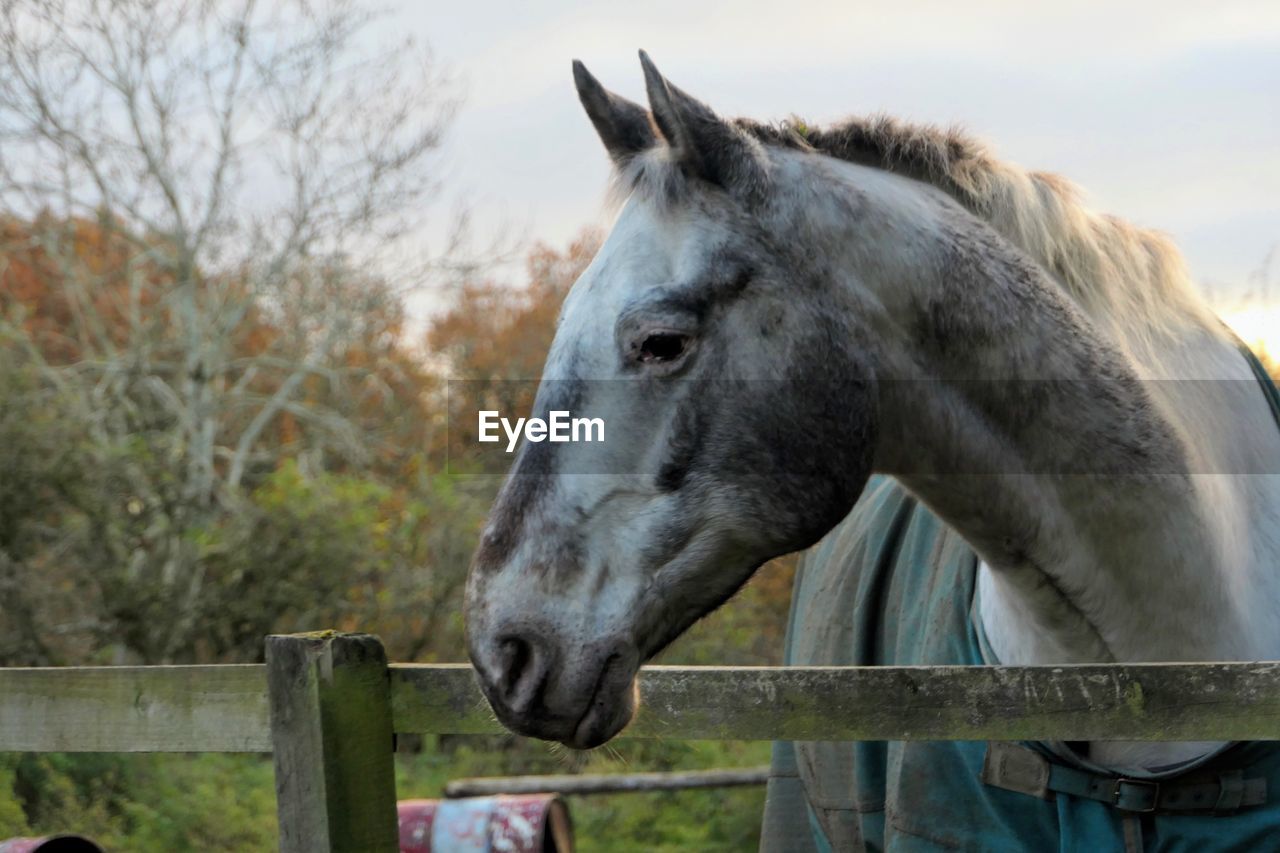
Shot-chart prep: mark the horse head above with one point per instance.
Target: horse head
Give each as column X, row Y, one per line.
column 740, row 413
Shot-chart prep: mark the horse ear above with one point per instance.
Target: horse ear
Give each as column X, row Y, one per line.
column 705, row 144
column 623, row 125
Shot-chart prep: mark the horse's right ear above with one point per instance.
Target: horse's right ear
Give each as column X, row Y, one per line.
column 623, row 125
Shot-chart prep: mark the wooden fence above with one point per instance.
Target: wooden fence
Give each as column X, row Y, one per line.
column 328, row 706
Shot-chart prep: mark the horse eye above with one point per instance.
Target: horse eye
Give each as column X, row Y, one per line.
column 662, row 347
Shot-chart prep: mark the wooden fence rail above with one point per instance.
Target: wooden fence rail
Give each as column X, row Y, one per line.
column 582, row 784
column 326, row 706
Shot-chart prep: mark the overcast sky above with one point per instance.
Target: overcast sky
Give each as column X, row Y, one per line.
column 1166, row 113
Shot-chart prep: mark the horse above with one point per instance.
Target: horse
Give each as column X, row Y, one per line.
column 1018, row 432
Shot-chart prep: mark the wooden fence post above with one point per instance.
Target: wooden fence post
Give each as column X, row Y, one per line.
column 330, row 702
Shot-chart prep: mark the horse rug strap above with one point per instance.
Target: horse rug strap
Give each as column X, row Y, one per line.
column 1269, row 389
column 1014, row 767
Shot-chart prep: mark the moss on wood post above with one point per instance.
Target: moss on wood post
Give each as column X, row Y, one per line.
column 330, row 705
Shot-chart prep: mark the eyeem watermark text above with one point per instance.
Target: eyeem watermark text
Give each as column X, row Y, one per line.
column 559, row 426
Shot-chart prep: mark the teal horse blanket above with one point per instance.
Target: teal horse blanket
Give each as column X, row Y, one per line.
column 891, row 585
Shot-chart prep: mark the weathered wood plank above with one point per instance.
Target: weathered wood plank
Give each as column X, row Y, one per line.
column 331, row 728
column 134, row 709
column 1228, row 701
column 224, row 708
column 579, row 784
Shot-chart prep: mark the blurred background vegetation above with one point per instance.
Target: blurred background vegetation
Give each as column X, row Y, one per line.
column 218, row 420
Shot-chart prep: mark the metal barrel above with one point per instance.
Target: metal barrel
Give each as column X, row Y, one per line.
column 524, row 823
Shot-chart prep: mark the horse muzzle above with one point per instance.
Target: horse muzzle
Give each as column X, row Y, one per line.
column 579, row 694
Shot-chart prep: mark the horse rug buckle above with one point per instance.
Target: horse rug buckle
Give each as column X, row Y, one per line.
column 1123, row 795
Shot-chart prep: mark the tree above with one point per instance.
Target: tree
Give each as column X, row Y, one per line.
column 41, row 463
column 207, row 208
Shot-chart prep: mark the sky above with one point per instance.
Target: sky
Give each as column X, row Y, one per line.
column 1165, row 113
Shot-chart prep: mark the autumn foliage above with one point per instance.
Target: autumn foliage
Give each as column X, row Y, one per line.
column 36, row 282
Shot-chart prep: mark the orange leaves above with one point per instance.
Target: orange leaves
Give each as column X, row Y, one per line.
column 66, row 275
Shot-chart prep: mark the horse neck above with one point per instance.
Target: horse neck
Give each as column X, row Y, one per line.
column 1087, row 498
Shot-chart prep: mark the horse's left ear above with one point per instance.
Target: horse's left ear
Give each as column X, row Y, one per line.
column 705, row 144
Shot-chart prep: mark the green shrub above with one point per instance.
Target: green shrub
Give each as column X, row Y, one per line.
column 142, row 802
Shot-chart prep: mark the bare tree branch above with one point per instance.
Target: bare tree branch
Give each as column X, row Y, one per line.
column 189, row 174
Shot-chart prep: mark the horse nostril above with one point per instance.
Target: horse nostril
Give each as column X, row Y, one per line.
column 523, row 669
column 514, row 654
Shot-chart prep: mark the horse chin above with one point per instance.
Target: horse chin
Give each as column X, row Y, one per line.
column 610, row 711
